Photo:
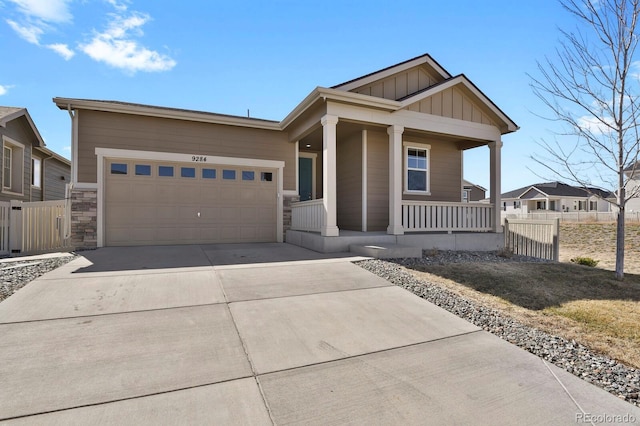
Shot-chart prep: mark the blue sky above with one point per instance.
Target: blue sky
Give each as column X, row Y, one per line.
column 266, row 56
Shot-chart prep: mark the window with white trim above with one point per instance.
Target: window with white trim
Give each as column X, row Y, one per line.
column 12, row 166
column 416, row 169
column 36, row 172
column 6, row 167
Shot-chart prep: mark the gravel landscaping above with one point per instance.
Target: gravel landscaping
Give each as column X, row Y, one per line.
column 15, row 275
column 616, row 378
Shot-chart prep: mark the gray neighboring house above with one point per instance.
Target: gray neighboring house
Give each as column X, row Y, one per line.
column 555, row 196
column 30, row 171
column 633, row 184
column 472, row 193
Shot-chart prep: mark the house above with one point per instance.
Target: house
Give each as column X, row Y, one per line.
column 377, row 156
column 555, row 196
column 30, row 171
column 472, row 192
column 632, row 185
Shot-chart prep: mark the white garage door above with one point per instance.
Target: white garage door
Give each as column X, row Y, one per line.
column 155, row 203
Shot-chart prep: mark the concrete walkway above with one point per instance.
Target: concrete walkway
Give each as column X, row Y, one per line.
column 262, row 334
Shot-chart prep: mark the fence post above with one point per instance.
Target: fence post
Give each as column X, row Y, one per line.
column 506, row 234
column 15, row 228
column 556, row 240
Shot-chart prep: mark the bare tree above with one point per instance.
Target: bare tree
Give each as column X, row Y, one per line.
column 592, row 89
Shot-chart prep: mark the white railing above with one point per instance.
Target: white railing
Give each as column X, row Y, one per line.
column 425, row 216
column 578, row 216
column 307, row 216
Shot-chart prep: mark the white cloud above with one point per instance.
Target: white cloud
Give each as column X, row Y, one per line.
column 30, row 33
column 56, row 11
column 62, row 50
column 116, row 46
column 4, row 89
column 596, row 125
column 66, row 149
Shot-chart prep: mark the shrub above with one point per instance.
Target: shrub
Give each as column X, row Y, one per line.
column 586, row 261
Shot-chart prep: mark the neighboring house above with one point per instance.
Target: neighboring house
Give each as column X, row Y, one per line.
column 633, row 185
column 555, row 196
column 30, row 171
column 472, row 193
column 382, row 152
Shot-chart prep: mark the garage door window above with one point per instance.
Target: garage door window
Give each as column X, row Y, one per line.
column 266, row 176
column 166, row 171
column 208, row 173
column 118, row 169
column 229, row 174
column 143, row 170
column 248, row 175
column 187, row 172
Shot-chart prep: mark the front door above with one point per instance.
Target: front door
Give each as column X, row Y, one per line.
column 305, row 179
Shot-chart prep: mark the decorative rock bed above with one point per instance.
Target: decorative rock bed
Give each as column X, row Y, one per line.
column 614, row 377
column 15, row 275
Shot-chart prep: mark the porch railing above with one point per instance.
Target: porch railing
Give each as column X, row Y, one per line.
column 307, row 216
column 425, row 216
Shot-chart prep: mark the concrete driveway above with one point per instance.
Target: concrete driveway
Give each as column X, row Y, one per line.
column 261, row 334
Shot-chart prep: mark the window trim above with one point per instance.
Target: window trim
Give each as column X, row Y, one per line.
column 5, row 184
column 17, row 162
column 405, row 166
column 33, row 171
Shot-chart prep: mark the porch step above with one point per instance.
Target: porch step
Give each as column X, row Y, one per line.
column 386, row 251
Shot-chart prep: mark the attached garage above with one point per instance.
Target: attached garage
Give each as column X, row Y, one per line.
column 151, row 202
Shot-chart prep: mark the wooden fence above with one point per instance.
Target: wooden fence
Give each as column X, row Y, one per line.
column 535, row 238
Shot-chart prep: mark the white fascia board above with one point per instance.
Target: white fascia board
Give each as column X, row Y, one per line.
column 415, row 120
column 461, row 79
column 177, row 114
column 426, row 59
column 187, row 158
column 19, row 114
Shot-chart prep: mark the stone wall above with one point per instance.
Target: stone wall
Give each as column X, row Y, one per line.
column 286, row 214
column 84, row 218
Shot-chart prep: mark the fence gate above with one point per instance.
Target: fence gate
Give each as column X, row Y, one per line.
column 34, row 227
column 5, row 213
column 535, row 238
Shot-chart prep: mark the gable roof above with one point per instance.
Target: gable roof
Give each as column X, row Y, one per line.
column 467, row 183
column 8, row 114
column 557, row 189
column 393, row 69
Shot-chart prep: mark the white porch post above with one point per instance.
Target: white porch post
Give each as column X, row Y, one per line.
column 495, row 176
column 395, row 180
column 329, row 197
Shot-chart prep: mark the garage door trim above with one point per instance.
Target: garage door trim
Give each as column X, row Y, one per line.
column 193, row 158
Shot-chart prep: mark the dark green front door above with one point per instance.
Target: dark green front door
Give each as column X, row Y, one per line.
column 305, row 179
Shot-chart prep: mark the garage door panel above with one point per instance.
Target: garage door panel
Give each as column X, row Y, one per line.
column 164, row 210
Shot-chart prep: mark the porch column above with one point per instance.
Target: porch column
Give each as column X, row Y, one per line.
column 495, row 176
column 395, row 180
column 329, row 198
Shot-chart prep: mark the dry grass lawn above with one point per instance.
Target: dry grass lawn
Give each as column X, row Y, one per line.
column 577, row 302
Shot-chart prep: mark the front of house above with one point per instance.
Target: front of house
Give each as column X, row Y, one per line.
column 381, row 153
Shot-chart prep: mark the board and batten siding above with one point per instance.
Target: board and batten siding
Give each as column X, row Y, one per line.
column 98, row 129
column 400, row 85
column 349, row 176
column 452, row 103
column 377, row 180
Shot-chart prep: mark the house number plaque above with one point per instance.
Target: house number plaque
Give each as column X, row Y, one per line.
column 198, row 158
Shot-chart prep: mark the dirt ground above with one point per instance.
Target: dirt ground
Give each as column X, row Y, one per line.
column 598, row 241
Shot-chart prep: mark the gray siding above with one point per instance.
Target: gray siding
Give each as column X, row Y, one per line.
column 377, row 181
column 54, row 185
column 20, row 131
column 349, row 178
